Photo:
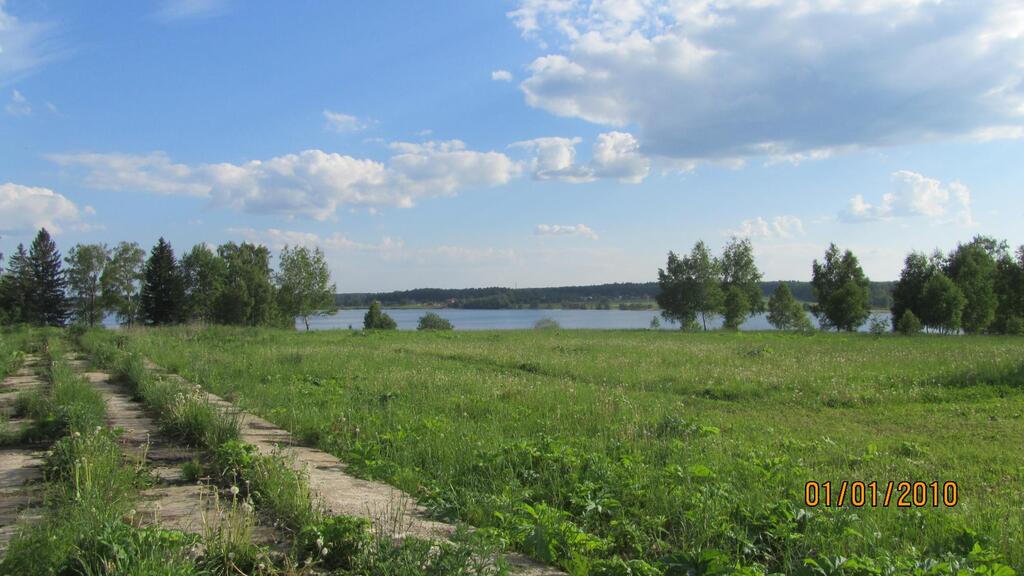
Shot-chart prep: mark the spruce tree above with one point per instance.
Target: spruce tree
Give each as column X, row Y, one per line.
column 47, row 303
column 163, row 293
column 15, row 287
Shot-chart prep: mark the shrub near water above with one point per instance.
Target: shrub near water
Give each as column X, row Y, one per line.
column 431, row 321
column 685, row 452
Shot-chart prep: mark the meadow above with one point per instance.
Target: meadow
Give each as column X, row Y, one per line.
column 645, row 452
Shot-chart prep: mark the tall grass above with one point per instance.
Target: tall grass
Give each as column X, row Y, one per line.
column 88, row 485
column 184, row 411
column 597, row 450
column 12, row 344
column 278, row 488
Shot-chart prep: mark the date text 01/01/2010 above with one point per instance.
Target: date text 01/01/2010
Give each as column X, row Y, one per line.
column 899, row 494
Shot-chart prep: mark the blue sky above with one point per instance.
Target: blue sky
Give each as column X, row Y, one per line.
column 529, row 142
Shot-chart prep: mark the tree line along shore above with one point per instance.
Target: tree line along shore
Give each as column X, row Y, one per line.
column 976, row 288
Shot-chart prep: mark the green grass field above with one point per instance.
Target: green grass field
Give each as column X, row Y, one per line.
column 678, row 449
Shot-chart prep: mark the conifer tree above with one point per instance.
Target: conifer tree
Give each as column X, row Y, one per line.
column 163, row 293
column 15, row 287
column 47, row 303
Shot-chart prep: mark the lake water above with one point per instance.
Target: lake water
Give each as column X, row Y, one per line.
column 522, row 319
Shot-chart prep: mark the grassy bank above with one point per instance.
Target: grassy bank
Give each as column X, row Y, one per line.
column 674, row 449
column 273, row 488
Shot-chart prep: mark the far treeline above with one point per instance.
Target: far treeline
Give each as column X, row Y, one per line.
column 977, row 288
column 233, row 284
column 623, row 295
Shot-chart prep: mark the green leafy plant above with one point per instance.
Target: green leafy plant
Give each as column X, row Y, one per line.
column 336, row 541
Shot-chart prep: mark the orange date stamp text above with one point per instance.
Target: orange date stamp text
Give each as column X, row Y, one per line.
column 902, row 494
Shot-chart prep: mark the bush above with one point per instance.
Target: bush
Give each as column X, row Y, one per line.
column 431, row 321
column 377, row 319
column 908, row 324
column 546, row 324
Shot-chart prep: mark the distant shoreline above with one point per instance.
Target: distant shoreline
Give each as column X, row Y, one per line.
column 622, row 296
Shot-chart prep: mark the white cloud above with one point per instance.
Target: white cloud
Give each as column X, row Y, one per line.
column 339, row 122
column 554, row 158
column 527, row 17
column 780, row 227
column 501, row 76
column 23, row 45
column 615, row 155
column 312, row 183
column 152, row 172
column 18, row 105
column 171, row 10
column 728, row 79
column 565, row 230
column 915, row 195
column 443, row 168
column 25, row 209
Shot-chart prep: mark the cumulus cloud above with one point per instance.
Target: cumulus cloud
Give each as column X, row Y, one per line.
column 615, row 155
column 25, row 209
column 339, row 122
column 312, row 183
column 443, row 168
column 915, row 195
column 501, row 76
column 554, row 158
column 565, row 230
column 18, row 105
column 780, row 227
column 798, row 80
